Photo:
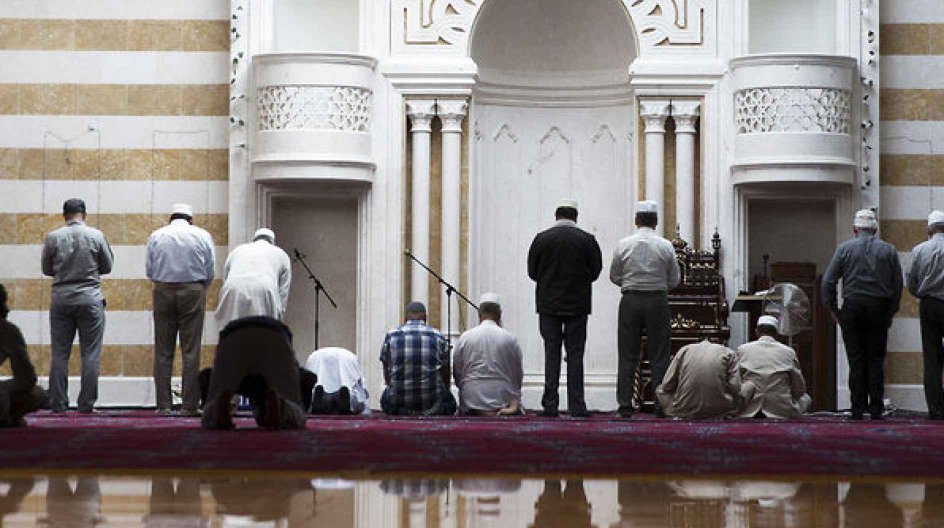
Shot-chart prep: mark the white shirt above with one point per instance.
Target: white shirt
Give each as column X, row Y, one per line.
column 257, row 279
column 645, row 261
column 338, row 367
column 925, row 277
column 487, row 368
column 180, row 252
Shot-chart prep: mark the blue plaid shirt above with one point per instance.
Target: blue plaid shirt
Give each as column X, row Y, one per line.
column 412, row 356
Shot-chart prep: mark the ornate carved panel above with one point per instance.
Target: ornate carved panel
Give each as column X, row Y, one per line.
column 760, row 110
column 447, row 23
column 314, row 108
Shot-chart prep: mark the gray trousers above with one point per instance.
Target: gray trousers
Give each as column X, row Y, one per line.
column 640, row 311
column 64, row 321
column 178, row 308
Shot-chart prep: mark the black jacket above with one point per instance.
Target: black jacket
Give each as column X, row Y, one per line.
column 564, row 261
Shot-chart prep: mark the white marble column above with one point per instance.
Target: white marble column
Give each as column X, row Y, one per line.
column 451, row 112
column 421, row 112
column 654, row 113
column 685, row 113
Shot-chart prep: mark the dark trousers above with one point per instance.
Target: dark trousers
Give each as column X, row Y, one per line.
column 865, row 332
column 638, row 312
column 445, row 407
column 571, row 332
column 932, row 333
column 254, row 387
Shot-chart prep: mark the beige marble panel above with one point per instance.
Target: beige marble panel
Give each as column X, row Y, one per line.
column 904, row 234
column 9, row 99
column 205, row 35
column 9, row 33
column 9, row 164
column 904, row 368
column 154, row 100
column 106, row 35
column 205, row 100
column 905, row 39
column 46, row 34
column 154, row 35
column 101, row 99
column 919, row 169
column 46, row 99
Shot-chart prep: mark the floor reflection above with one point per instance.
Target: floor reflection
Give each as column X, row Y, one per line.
column 288, row 501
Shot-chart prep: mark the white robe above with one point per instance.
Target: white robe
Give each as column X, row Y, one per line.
column 257, row 279
column 773, row 369
column 338, row 367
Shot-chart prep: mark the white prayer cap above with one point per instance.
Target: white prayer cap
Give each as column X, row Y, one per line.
column 264, row 232
column 183, row 209
column 768, row 320
column 647, row 206
column 865, row 219
column 567, row 202
column 935, row 218
column 491, row 298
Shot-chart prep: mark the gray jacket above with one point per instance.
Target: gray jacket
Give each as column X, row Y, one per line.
column 76, row 256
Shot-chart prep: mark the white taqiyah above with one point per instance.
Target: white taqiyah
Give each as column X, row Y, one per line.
column 264, row 232
column 647, row 206
column 567, row 202
column 492, row 298
column 935, row 218
column 768, row 320
column 183, row 209
column 865, row 219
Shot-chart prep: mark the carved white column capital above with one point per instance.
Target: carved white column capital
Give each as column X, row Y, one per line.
column 654, row 112
column 685, row 113
column 421, row 113
column 451, row 112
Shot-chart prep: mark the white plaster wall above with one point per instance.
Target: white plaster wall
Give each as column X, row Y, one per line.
column 325, row 230
column 315, row 25
column 796, row 26
column 790, row 231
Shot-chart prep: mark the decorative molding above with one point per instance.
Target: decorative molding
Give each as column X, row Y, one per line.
column 685, row 113
column 505, row 130
column 554, row 131
column 302, row 107
column 654, row 112
column 763, row 110
column 603, row 131
column 451, row 112
column 448, row 23
column 421, row 113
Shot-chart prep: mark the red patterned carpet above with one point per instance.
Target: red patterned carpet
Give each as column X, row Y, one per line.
column 602, row 445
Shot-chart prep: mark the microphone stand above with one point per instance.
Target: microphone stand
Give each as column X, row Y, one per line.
column 319, row 288
column 450, row 289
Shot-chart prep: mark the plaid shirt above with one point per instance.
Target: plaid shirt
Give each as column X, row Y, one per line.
column 412, row 356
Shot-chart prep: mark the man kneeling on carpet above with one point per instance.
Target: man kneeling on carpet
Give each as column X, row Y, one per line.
column 255, row 357
column 703, row 382
column 774, row 371
column 416, row 368
column 340, row 388
column 19, row 395
column 487, row 365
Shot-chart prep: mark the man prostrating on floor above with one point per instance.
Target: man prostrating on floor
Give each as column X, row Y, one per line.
column 255, row 353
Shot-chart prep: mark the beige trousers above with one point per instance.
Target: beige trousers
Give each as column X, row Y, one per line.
column 179, row 308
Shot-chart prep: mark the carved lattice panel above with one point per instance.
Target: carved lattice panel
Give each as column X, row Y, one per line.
column 761, row 110
column 295, row 107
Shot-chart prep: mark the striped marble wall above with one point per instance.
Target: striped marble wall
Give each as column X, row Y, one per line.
column 912, row 152
column 125, row 104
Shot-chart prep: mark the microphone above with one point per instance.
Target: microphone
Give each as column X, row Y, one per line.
column 298, row 254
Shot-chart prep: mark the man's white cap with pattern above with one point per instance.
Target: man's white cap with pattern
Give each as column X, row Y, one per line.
column 183, row 209
column 768, row 320
column 491, row 298
column 647, row 206
column 567, row 202
column 865, row 219
column 264, row 232
column 935, row 218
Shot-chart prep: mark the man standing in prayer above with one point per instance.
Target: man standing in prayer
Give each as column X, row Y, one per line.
column 645, row 268
column 416, row 368
column 19, row 395
column 702, row 382
column 774, row 371
column 871, row 290
column 180, row 263
column 256, row 280
column 255, row 357
column 340, row 387
column 487, row 365
column 564, row 261
column 925, row 279
column 76, row 256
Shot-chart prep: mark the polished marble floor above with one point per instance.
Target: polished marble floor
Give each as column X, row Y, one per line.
column 288, row 500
